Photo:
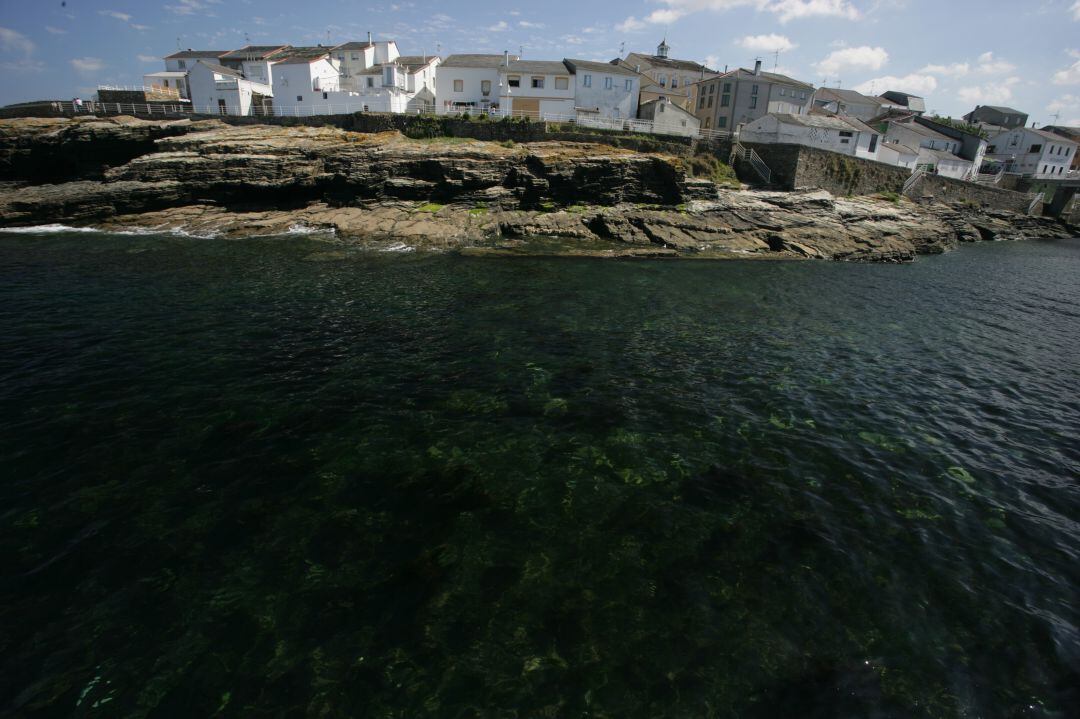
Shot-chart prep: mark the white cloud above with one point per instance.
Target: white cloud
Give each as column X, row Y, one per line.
column 499, row 27
column 55, row 30
column 191, row 7
column 15, row 43
column 767, row 43
column 573, row 40
column 527, row 24
column 87, row 65
column 989, row 94
column 1075, row 9
column 798, row 9
column 147, row 58
column 1068, row 104
column 989, row 65
column 1071, row 74
column 858, row 58
column 712, row 61
column 137, row 26
column 121, row 16
column 956, row 69
column 785, row 10
column 915, row 83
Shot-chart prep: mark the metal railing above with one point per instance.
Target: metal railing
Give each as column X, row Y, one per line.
column 913, row 180
column 1036, row 200
column 585, row 120
column 748, row 155
column 988, row 179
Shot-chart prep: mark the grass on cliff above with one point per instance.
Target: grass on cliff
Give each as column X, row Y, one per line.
column 431, row 207
column 710, row 167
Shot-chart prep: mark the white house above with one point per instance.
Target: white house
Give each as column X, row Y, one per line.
column 405, row 84
column 669, row 118
column 304, row 84
column 931, row 144
column 256, row 62
column 354, row 59
column 469, row 82
column 538, row 89
column 185, row 59
column 844, row 135
column 603, row 91
column 892, row 153
column 1033, row 153
column 222, row 90
column 168, row 83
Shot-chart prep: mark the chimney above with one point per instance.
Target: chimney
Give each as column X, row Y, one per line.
column 506, row 58
column 757, row 67
column 369, row 37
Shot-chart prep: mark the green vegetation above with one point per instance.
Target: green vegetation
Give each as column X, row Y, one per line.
column 845, row 170
column 430, row 207
column 708, row 166
column 479, row 210
column 962, row 126
column 891, row 196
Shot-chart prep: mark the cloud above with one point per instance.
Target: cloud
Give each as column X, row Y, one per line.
column 859, row 58
column 990, row 93
column 915, row 83
column 785, row 10
column 192, row 7
column 499, row 27
column 1066, row 103
column 15, row 43
column 1071, row 74
column 573, row 40
column 121, row 16
column 1075, row 10
column 140, row 28
column 147, row 58
column 55, row 30
column 527, row 24
column 766, row 43
column 956, row 69
column 87, row 65
column 712, row 61
column 989, row 65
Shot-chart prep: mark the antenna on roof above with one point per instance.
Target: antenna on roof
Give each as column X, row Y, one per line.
column 776, row 60
column 521, row 52
column 247, row 39
column 178, row 46
column 622, row 48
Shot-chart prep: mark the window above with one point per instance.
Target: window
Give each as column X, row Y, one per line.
column 721, row 122
column 513, row 80
column 1067, row 151
column 1014, row 141
column 710, row 100
column 725, row 100
column 629, row 85
column 355, row 57
column 727, row 87
column 674, row 82
column 753, row 103
column 712, row 89
column 326, row 96
column 1044, row 168
column 873, row 143
column 607, row 83
column 701, row 104
column 562, row 83
column 845, row 137
column 538, row 83
column 299, row 98
column 586, row 81
column 783, row 92
column 707, row 121
column 459, row 85
column 485, row 87
column 1035, row 148
column 663, row 81
column 753, row 89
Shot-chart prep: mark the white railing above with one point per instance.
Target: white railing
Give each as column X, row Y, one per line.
column 159, row 108
column 990, row 179
column 909, row 185
column 1035, row 201
column 748, row 155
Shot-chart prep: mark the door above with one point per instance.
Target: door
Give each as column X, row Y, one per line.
column 524, row 107
column 222, row 108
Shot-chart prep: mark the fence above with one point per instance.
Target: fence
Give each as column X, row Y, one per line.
column 167, row 109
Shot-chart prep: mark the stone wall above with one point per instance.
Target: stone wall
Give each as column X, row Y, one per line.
column 957, row 192
column 796, row 167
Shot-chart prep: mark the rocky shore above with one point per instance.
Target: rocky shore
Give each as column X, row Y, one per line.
column 385, row 190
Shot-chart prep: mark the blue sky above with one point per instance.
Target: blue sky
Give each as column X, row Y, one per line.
column 956, row 53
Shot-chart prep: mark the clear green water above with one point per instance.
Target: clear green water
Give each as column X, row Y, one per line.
column 271, row 478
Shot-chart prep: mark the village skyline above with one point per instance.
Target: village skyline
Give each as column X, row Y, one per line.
column 61, row 49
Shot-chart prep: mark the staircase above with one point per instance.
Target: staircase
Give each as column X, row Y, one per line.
column 992, row 180
column 913, row 180
column 1036, row 200
column 747, row 155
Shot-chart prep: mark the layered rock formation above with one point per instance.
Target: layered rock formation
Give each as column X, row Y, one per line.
column 210, row 178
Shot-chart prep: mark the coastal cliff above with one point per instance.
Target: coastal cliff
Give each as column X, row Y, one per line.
column 210, row 178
